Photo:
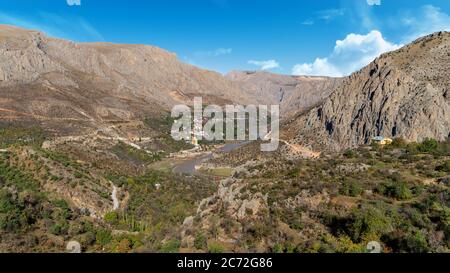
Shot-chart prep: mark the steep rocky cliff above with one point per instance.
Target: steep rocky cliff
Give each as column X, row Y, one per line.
column 401, row 94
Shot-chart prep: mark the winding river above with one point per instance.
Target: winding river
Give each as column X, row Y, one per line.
column 188, row 166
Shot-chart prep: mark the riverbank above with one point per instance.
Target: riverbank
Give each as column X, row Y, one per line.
column 190, row 166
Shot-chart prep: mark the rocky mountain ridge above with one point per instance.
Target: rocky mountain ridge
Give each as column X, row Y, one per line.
column 294, row 94
column 404, row 93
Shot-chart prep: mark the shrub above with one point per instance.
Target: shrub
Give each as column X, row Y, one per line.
column 215, row 247
column 277, row 248
column 429, row 145
column 351, row 189
column 111, row 217
column 417, row 243
column 259, row 230
column 60, row 228
column 171, row 246
column 402, row 191
column 293, row 173
column 399, row 143
column 369, row 223
column 200, row 241
column 444, row 167
column 350, row 154
column 103, row 237
column 397, row 190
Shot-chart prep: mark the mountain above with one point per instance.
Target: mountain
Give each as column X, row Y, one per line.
column 294, row 94
column 404, row 94
column 68, row 86
column 86, row 156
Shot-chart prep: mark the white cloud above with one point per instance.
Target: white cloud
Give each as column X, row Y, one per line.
column 74, row 2
column 374, row 2
column 349, row 55
column 430, row 19
column 265, row 65
column 320, row 67
column 326, row 15
column 308, row 22
column 330, row 14
column 223, row 51
column 215, row 52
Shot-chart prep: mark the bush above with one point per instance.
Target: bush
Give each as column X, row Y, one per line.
column 399, row 143
column 259, row 230
column 200, row 241
column 60, row 228
column 103, row 237
column 351, row 189
column 293, row 173
column 111, row 217
column 429, row 145
column 397, row 190
column 277, row 248
column 215, row 247
column 369, row 223
column 402, row 192
column 172, row 246
column 350, row 154
column 444, row 167
column 417, row 243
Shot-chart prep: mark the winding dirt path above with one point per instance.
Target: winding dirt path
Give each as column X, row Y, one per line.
column 116, row 203
column 305, row 152
column 302, row 150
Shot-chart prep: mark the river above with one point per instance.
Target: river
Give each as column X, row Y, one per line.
column 188, row 166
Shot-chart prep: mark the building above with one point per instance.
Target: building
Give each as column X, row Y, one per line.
column 382, row 140
column 194, row 141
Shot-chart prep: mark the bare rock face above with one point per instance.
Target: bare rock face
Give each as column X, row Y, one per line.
column 21, row 58
column 401, row 94
column 294, row 94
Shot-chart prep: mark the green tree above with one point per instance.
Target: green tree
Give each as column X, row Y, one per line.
column 369, row 223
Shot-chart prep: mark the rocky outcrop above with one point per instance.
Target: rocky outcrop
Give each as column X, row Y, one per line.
column 401, row 94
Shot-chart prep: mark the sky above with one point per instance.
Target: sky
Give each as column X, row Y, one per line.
column 299, row 37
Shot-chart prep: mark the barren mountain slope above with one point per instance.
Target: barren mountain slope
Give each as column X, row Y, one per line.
column 401, row 94
column 295, row 94
column 60, row 83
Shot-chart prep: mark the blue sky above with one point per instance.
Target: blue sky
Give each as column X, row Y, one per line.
column 322, row 37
